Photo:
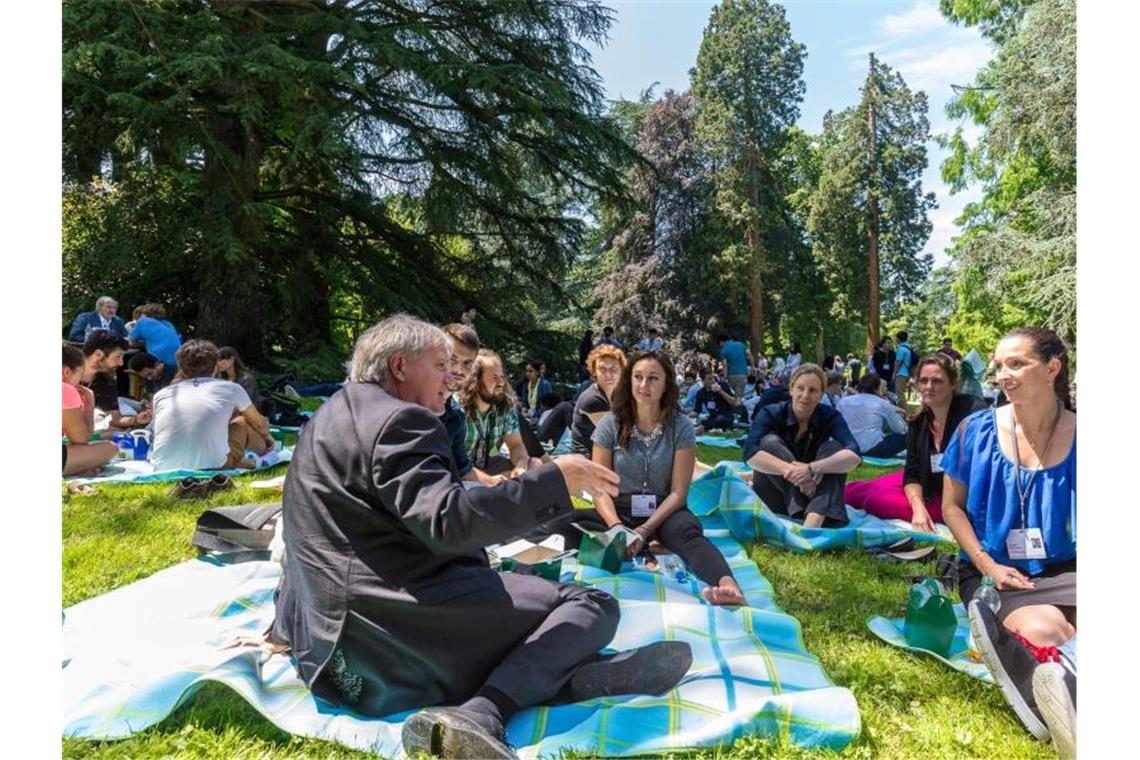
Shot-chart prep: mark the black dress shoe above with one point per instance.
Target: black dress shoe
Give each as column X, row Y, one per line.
column 450, row 732
column 651, row 669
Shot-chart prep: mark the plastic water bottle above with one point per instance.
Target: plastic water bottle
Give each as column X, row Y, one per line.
column 674, row 567
column 987, row 594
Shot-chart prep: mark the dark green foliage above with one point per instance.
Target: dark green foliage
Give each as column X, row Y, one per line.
column 1017, row 255
column 342, row 161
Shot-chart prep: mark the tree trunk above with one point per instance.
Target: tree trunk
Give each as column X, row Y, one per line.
column 230, row 308
column 819, row 344
column 873, row 227
column 752, row 236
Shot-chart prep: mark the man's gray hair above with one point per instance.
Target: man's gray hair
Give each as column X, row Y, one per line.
column 103, row 300
column 397, row 334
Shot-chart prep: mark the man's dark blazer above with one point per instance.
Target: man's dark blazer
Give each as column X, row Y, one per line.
column 376, row 519
column 91, row 319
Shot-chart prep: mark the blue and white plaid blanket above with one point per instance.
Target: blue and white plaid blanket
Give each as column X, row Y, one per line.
column 722, row 492
column 133, row 654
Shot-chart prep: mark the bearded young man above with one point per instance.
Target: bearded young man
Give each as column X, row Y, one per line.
column 489, row 406
column 102, row 355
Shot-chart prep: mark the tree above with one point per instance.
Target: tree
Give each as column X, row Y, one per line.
column 747, row 83
column 659, row 273
column 868, row 220
column 348, row 154
column 1017, row 255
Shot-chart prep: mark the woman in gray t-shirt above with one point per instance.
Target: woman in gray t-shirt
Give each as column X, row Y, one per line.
column 652, row 447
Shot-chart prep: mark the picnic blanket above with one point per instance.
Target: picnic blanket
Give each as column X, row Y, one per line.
column 127, row 471
column 720, row 491
column 132, row 655
column 720, row 441
column 962, row 657
column 733, row 442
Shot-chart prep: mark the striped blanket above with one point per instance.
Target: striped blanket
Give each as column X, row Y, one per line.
column 722, row 492
column 133, row 654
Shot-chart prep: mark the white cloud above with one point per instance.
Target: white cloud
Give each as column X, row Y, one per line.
column 921, row 18
column 940, row 67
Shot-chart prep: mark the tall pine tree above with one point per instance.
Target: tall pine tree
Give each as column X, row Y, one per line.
column 748, row 84
column 868, row 220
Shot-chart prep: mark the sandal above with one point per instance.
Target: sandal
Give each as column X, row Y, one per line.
column 189, row 488
column 218, row 483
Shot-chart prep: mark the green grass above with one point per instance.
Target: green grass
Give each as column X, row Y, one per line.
column 912, row 706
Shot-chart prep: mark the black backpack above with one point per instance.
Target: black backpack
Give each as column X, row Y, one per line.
column 245, row 530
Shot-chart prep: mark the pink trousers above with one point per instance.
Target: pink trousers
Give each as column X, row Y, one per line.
column 884, row 497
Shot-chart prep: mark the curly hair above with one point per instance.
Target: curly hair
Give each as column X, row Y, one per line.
column 469, row 390
column 625, row 408
column 604, row 352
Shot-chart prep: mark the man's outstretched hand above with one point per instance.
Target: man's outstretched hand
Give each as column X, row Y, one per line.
column 583, row 475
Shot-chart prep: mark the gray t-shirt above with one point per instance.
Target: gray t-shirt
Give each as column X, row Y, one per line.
column 645, row 470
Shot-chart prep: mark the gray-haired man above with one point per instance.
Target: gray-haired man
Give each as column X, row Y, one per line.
column 387, row 601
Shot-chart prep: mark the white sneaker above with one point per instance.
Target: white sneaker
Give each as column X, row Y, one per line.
column 1054, row 690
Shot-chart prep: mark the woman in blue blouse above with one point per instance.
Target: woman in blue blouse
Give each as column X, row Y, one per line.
column 1010, row 499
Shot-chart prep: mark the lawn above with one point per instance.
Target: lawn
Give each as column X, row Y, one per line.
column 911, row 706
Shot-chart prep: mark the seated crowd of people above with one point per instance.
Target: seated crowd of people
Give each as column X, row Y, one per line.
column 427, row 453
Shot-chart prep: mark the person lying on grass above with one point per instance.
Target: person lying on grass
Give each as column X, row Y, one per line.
column 801, row 452
column 1010, row 499
column 651, row 445
column 914, row 493
column 80, row 457
column 387, row 602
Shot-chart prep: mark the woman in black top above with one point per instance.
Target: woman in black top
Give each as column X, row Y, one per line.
column 915, row 492
column 605, row 364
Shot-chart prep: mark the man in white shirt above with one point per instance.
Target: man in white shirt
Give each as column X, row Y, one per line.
column 868, row 414
column 202, row 422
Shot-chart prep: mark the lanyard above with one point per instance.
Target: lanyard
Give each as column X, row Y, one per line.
column 1024, row 490
column 648, row 444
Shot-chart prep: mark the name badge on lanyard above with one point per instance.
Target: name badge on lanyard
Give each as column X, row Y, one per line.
column 643, row 504
column 710, row 405
column 936, row 462
column 1025, row 543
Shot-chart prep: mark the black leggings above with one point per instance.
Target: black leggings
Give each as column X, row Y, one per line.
column 681, row 533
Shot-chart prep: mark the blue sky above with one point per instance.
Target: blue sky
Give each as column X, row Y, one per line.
column 657, row 41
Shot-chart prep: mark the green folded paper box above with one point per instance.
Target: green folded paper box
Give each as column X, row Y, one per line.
column 605, row 550
column 930, row 621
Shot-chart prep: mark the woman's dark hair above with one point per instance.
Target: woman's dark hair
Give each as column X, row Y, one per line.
column 72, row 356
column 1048, row 345
column 625, row 407
column 944, row 363
column 869, row 383
column 228, row 352
column 550, row 400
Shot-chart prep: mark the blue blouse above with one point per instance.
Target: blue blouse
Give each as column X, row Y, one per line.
column 974, row 457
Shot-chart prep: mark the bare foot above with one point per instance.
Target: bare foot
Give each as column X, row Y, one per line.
column 724, row 594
